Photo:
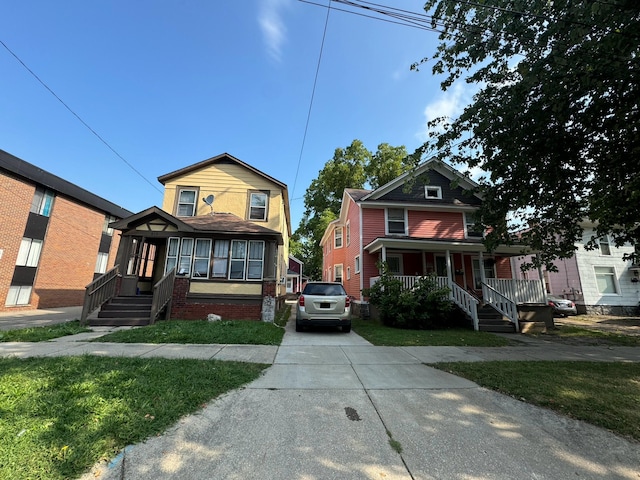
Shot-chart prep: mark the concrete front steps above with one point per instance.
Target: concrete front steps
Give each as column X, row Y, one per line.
column 124, row 311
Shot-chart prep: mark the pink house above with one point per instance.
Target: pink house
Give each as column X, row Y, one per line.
column 422, row 223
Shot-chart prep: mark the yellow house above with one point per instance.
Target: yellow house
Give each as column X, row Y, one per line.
column 219, row 245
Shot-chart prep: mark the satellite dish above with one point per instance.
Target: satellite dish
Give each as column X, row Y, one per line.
column 209, row 201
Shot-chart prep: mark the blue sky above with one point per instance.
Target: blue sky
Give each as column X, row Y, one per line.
column 168, row 83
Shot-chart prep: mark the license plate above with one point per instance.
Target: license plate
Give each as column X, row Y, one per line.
column 325, row 305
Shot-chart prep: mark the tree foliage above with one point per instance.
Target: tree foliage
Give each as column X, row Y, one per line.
column 555, row 122
column 351, row 167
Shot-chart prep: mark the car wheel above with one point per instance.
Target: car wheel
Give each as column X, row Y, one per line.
column 346, row 328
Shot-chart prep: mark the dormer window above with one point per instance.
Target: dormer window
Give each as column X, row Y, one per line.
column 186, row 202
column 432, row 192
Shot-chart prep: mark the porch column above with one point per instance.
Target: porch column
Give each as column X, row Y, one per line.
column 542, row 285
column 384, row 253
column 483, row 279
column 424, row 262
column 449, row 270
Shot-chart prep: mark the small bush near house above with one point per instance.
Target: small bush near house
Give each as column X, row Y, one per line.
column 425, row 306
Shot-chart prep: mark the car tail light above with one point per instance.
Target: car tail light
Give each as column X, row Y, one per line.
column 347, row 302
column 301, row 300
column 551, row 304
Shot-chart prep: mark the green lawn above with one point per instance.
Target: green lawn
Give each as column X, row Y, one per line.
column 378, row 334
column 590, row 336
column 62, row 415
column 603, row 394
column 202, row 332
column 42, row 334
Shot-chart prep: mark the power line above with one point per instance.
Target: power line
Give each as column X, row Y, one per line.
column 313, row 92
column 78, row 117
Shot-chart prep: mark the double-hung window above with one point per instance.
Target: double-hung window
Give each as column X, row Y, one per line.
column 338, row 273
column 258, row 206
column 18, row 295
column 606, row 280
column 337, row 234
column 101, row 262
column 238, row 259
column 255, row 262
column 184, row 260
column 605, row 246
column 106, row 229
column 396, row 221
column 29, row 253
column 472, row 229
column 42, row 202
column 220, row 259
column 201, row 256
column 186, row 202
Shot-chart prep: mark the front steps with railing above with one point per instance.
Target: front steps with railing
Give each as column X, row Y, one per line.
column 491, row 320
column 123, row 311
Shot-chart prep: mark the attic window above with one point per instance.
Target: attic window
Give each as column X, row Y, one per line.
column 432, row 192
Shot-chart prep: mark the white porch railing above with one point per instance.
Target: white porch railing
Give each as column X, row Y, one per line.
column 520, row 291
column 501, row 303
column 467, row 302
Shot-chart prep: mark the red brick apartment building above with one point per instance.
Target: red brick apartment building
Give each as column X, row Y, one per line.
column 54, row 237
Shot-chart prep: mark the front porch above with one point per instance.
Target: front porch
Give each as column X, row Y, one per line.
column 508, row 297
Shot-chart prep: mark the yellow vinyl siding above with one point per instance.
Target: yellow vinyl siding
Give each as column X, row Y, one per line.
column 226, row 288
column 230, row 184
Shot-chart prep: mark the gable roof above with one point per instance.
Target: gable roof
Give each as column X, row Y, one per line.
column 37, row 175
column 154, row 219
column 229, row 159
column 442, row 176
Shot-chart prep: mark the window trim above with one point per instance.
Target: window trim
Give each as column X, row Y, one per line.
column 605, row 240
column 434, row 188
column 386, row 221
column 336, row 237
column 348, row 272
column 356, row 264
column 348, row 232
column 468, row 220
column 613, row 274
column 266, row 194
column 335, row 272
column 196, row 193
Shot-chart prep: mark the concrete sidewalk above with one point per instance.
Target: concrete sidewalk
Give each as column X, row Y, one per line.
column 330, row 403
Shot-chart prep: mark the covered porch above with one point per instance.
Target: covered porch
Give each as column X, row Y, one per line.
column 475, row 279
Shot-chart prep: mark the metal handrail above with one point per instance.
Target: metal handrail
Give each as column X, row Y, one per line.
column 501, row 303
column 162, row 294
column 98, row 292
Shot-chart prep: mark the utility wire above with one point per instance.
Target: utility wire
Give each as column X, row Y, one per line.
column 78, row 117
column 313, row 92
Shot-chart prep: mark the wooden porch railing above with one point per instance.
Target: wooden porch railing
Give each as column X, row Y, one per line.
column 98, row 292
column 467, row 302
column 162, row 294
column 502, row 303
column 520, row 291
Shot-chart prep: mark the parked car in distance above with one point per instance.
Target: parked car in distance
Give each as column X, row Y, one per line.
column 323, row 304
column 562, row 306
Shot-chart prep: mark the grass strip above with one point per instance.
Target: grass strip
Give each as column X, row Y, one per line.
column 242, row 332
column 601, row 393
column 590, row 336
column 379, row 334
column 62, row 415
column 42, row 334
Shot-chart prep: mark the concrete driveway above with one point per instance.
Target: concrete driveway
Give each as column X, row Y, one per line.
column 334, row 407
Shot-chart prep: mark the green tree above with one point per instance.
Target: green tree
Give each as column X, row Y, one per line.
column 351, row 167
column 555, row 122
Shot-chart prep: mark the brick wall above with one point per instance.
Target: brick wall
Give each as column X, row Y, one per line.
column 189, row 309
column 15, row 202
column 69, row 253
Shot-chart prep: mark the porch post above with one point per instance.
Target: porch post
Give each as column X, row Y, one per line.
column 483, row 279
column 424, row 262
column 449, row 272
column 542, row 285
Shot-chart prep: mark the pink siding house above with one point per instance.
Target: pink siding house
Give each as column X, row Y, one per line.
column 421, row 223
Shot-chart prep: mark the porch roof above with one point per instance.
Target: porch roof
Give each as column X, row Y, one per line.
column 156, row 222
column 471, row 245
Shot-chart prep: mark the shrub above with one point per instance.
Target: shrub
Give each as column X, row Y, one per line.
column 425, row 306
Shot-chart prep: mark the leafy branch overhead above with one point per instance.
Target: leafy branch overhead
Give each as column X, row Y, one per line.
column 555, row 121
column 351, row 167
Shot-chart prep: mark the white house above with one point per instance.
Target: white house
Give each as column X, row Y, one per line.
column 599, row 281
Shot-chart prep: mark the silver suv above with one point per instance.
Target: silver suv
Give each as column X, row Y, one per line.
column 323, row 304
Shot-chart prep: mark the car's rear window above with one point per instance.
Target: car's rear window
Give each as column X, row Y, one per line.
column 323, row 289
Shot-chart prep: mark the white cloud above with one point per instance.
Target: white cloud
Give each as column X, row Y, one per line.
column 273, row 28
